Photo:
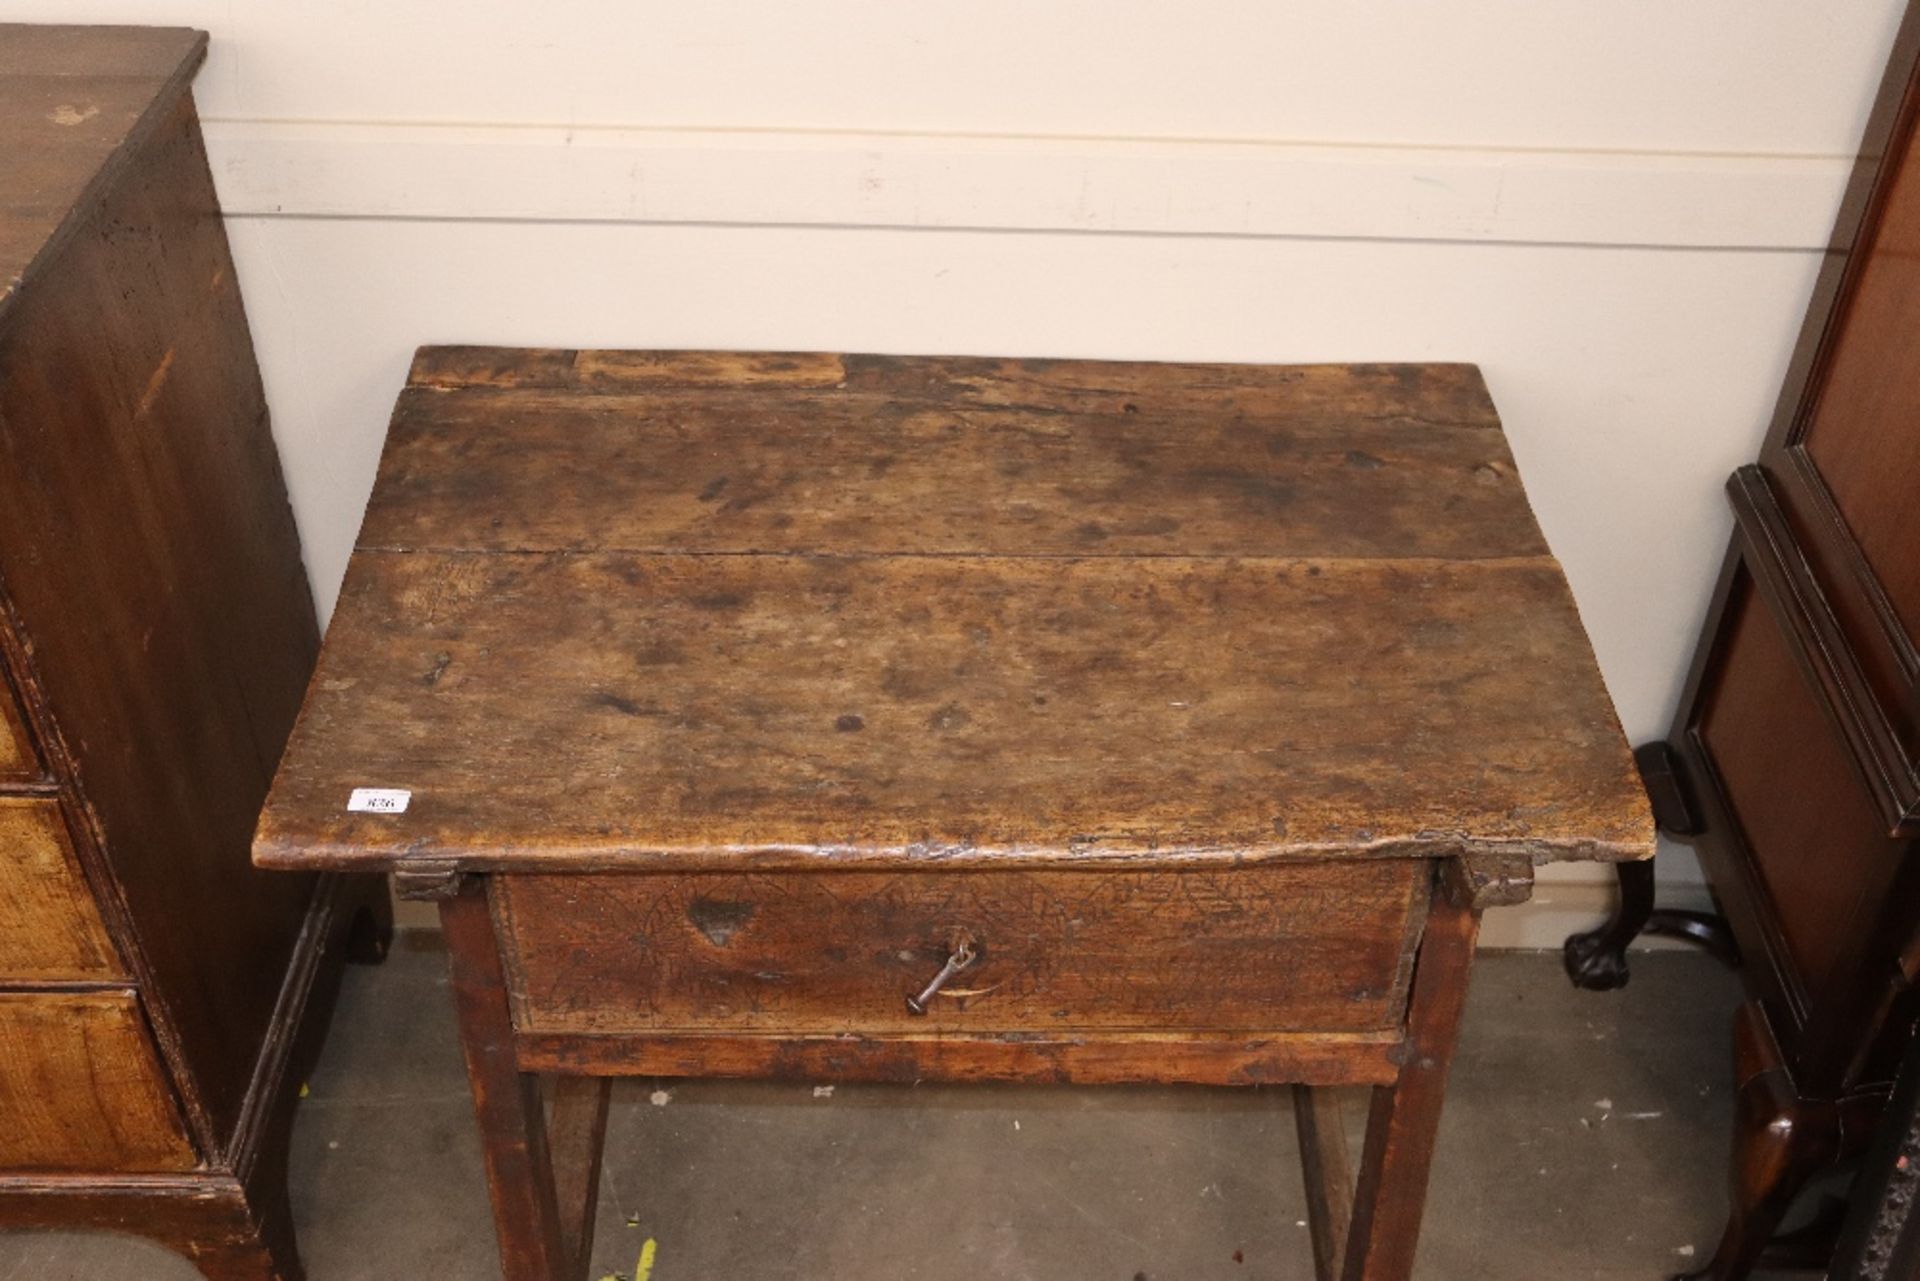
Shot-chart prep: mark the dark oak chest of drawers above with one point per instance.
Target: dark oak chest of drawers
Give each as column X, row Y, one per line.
column 156, row 631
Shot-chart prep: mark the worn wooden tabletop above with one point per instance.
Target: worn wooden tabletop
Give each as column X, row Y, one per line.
column 693, row 610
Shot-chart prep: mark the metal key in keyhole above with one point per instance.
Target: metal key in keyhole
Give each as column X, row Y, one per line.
column 963, row 956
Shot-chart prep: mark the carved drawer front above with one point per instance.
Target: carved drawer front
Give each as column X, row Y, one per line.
column 17, row 763
column 81, row 1089
column 1279, row 948
column 50, row 929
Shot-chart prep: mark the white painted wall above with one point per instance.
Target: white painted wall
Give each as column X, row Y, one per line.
column 1616, row 210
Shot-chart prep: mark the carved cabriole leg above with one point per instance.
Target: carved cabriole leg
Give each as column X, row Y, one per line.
column 1405, row 1116
column 1597, row 959
column 534, row 1243
column 1779, row 1141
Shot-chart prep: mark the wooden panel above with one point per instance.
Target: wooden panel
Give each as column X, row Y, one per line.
column 619, row 711
column 18, row 762
column 1298, row 948
column 1816, row 840
column 1314, row 466
column 50, row 928
column 1836, row 656
column 150, row 557
column 80, row 1088
column 1860, row 434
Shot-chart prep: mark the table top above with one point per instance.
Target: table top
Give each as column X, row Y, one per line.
column 697, row 610
column 71, row 99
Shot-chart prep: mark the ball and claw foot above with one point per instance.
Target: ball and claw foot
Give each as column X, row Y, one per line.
column 1595, row 962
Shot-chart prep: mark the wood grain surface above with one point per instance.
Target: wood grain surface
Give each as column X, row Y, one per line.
column 707, row 611
column 71, row 98
column 1817, row 848
column 1110, row 1058
column 80, row 1087
column 49, row 927
column 1287, row 948
column 18, row 763
column 604, row 711
column 157, row 602
column 1325, row 464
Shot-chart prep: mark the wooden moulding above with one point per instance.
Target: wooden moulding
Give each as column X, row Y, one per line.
column 215, row 1220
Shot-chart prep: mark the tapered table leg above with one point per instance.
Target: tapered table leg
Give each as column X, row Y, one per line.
column 534, row 1242
column 1405, row 1116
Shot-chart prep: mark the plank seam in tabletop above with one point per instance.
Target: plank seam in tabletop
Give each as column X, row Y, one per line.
column 1413, row 563
column 483, row 395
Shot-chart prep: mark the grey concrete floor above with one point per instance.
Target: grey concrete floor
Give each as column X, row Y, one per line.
column 1585, row 1137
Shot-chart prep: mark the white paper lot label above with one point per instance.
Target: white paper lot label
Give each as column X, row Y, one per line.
column 379, row 800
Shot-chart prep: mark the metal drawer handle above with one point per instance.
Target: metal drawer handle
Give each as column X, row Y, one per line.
column 963, row 955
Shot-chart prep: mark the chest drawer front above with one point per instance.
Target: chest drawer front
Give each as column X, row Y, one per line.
column 1282, row 948
column 17, row 762
column 50, row 928
column 81, row 1088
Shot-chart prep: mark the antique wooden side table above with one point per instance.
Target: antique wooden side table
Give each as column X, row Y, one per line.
column 877, row 718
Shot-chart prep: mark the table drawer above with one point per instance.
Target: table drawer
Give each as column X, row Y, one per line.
column 1277, row 948
column 50, row 928
column 17, row 761
column 81, row 1088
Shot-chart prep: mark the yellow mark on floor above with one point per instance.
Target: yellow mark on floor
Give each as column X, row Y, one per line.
column 644, row 1269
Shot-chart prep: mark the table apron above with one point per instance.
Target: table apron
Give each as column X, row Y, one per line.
column 1367, row 1058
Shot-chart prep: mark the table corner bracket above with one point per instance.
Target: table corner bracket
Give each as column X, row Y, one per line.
column 428, row 882
column 1483, row 880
